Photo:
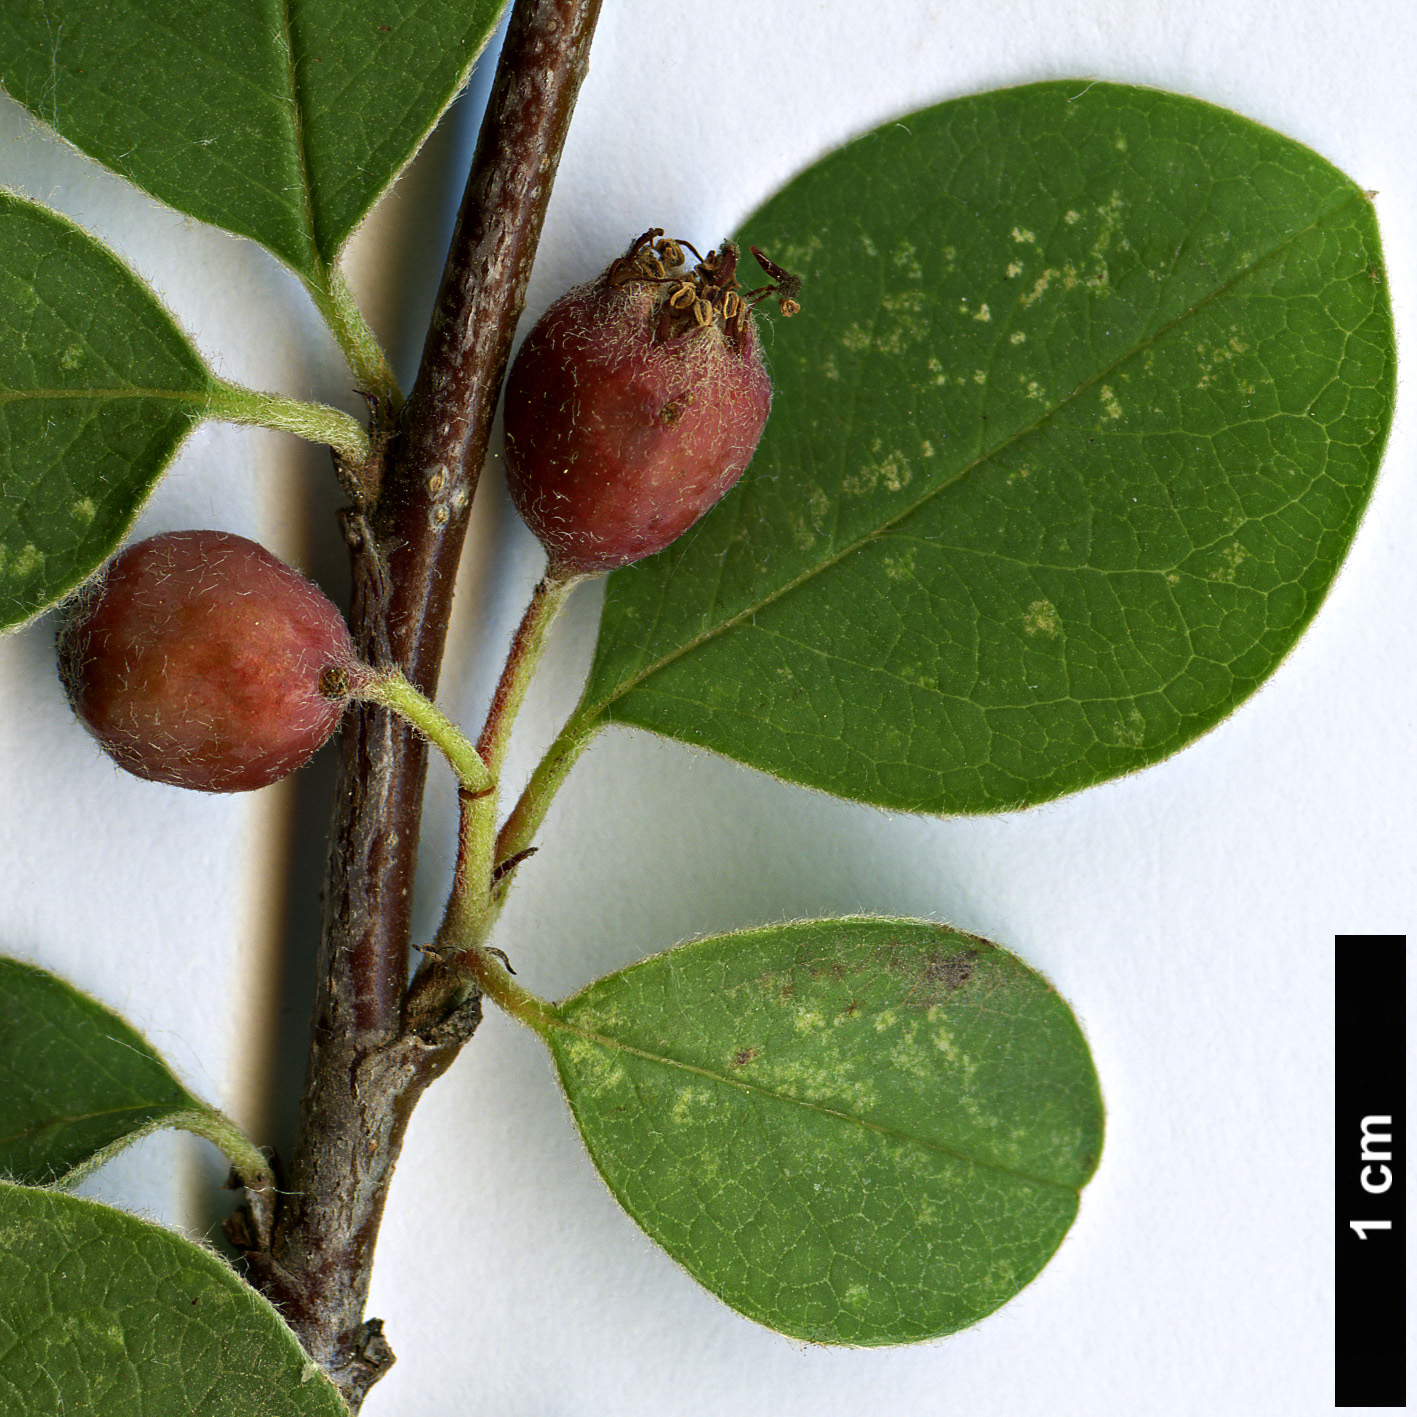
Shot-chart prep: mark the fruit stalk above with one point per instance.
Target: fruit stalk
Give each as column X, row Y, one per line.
column 366, row 1070
column 394, row 692
column 479, row 889
column 481, row 878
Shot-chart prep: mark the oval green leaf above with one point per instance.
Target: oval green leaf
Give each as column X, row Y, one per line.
column 1086, row 398
column 104, row 1313
column 98, row 388
column 281, row 120
column 79, row 1082
column 859, row 1131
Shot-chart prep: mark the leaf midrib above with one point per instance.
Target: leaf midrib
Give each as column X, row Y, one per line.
column 194, row 396
column 590, row 713
column 318, row 269
column 556, row 1021
column 70, row 1120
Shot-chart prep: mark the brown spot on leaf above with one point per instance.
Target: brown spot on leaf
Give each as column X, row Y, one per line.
column 948, row 972
column 931, row 976
column 744, row 1055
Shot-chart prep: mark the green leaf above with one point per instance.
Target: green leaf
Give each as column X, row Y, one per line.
column 1087, row 396
column 104, row 1313
column 855, row 1131
column 79, row 1082
column 98, row 388
column 281, row 120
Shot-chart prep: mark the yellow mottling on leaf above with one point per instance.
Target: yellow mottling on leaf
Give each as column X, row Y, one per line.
column 1230, row 556
column 1066, row 276
column 1214, row 358
column 72, row 357
column 1072, row 218
column 29, row 560
column 936, row 368
column 909, row 325
column 855, row 338
column 1111, row 214
column 686, row 1102
column 598, row 1068
column 1017, row 337
column 1040, row 287
column 905, row 259
column 807, row 1020
column 794, row 255
column 982, row 314
column 829, row 369
column 1109, row 401
column 892, row 473
column 1042, row 618
column 981, row 376
column 84, row 510
column 1014, row 268
column 1024, row 238
column 899, row 566
column 803, row 537
column 906, row 1057
column 927, row 448
column 1132, row 733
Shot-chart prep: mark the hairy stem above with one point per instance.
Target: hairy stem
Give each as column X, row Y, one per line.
column 315, row 421
column 528, row 644
column 394, row 692
column 496, row 983
column 478, row 889
column 361, row 347
column 367, row 1069
column 524, row 821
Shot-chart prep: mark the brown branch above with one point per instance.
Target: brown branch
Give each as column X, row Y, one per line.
column 366, row 1072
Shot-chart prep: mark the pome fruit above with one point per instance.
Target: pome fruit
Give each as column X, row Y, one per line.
column 636, row 402
column 196, row 659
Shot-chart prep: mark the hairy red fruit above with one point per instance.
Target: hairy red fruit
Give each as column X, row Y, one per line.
column 635, row 404
column 196, row 660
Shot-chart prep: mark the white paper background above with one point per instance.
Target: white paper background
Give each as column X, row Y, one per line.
column 1187, row 913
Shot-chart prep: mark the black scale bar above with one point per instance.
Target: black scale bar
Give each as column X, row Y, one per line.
column 1370, row 1146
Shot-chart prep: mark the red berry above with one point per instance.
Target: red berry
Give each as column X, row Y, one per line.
column 196, row 660
column 635, row 404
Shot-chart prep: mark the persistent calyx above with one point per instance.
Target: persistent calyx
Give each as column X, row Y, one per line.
column 706, row 294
